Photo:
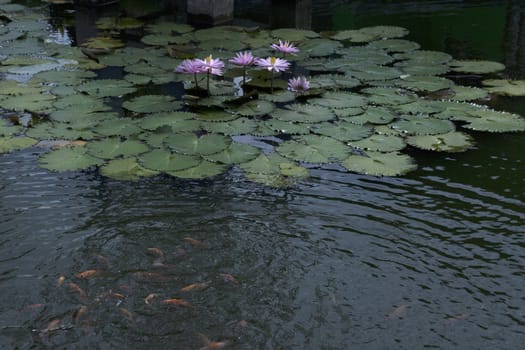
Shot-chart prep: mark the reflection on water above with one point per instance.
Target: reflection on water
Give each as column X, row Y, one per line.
column 341, row 261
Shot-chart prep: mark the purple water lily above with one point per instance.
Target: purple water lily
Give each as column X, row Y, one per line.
column 211, row 66
column 244, row 59
column 273, row 64
column 298, row 85
column 191, row 67
column 285, row 47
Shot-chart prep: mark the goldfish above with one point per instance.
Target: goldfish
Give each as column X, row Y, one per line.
column 195, row 242
column 32, row 307
column 178, row 302
column 156, row 251
column 196, row 286
column 399, row 311
column 126, row 313
column 52, row 326
column 87, row 274
column 228, row 278
column 103, row 261
column 210, row 345
column 79, row 313
column 60, row 281
column 75, row 288
column 152, row 276
column 452, row 320
column 112, row 295
column 150, row 298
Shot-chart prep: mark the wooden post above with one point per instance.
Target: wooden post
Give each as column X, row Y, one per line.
column 210, row 11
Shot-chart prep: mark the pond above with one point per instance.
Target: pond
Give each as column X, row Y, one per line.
column 336, row 260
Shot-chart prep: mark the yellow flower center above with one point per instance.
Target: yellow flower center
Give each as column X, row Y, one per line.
column 273, row 60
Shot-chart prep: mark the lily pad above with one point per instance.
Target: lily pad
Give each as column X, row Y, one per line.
column 423, row 126
column 152, row 104
column 476, row 67
column 494, row 121
column 69, row 159
column 264, row 164
column 178, row 121
column 216, row 115
column 320, row 47
column 38, row 103
column 8, row 129
column 314, row 149
column 292, row 34
column 395, row 45
column 425, row 83
column 340, row 100
column 380, row 164
column 203, row 170
column 468, row 93
column 103, row 44
column 239, row 126
column 113, row 148
column 343, row 131
column 164, row 160
column 189, row 143
column 9, row 144
column 303, row 113
column 127, row 169
column 450, row 142
column 388, row 96
column 505, row 87
column 106, row 88
column 380, row 143
column 122, row 127
column 372, row 115
column 256, row 107
column 236, row 153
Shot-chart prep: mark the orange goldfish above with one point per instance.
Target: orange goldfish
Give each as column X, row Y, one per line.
column 75, row 288
column 60, row 281
column 148, row 300
column 195, row 242
column 126, row 313
column 228, row 278
column 156, row 251
column 87, row 274
column 196, row 286
column 178, row 302
column 52, row 326
column 80, row 312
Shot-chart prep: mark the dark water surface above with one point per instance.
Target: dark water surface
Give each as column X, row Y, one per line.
column 434, row 259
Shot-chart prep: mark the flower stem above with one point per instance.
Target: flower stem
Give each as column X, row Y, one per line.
column 196, row 82
column 208, row 82
column 271, row 84
column 244, row 77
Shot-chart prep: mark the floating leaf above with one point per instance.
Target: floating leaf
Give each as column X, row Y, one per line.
column 80, row 101
column 450, row 142
column 414, row 67
column 424, row 56
column 106, row 87
column 380, row 164
column 164, row 160
column 380, row 143
column 127, row 169
column 372, row 72
column 314, row 149
column 7, row 129
column 178, row 121
column 494, row 121
column 425, row 83
column 468, row 93
column 103, row 44
column 239, row 126
column 216, row 115
column 320, row 47
column 394, row 45
column 476, row 67
column 372, row 115
column 303, row 113
column 236, row 153
column 264, row 164
column 188, row 143
column 505, row 87
column 285, row 127
column 339, row 100
column 203, row 170
column 113, row 148
column 385, row 32
column 123, row 127
column 69, row 159
column 388, row 96
column 38, row 103
column 9, row 144
column 293, row 170
column 152, row 104
column 423, row 126
column 256, row 107
column 292, row 34
column 343, row 131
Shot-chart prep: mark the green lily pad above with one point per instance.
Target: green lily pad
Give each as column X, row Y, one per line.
column 103, row 44
column 189, row 143
column 343, row 131
column 38, row 103
column 204, row 170
column 476, row 67
column 314, row 149
column 425, row 56
column 281, row 97
column 394, row 45
column 269, row 180
column 168, row 27
column 468, row 93
column 8, row 129
column 413, row 67
column 320, row 47
column 256, row 107
column 334, row 82
column 372, row 72
column 388, row 96
column 264, row 164
column 425, row 83
column 152, row 104
column 69, row 159
column 293, row 170
column 380, row 164
column 385, row 32
column 380, row 143
column 355, row 36
column 164, row 160
column 239, row 126
column 361, row 54
column 344, row 113
column 178, row 121
column 494, row 121
column 236, row 153
column 106, row 87
column 450, row 142
column 421, row 107
column 285, row 127
column 292, row 34
column 10, row 144
column 340, row 100
column 80, row 101
column 372, row 115
column 423, row 126
column 122, row 127
column 216, row 115
column 127, row 169
column 114, row 148
column 63, row 77
column 118, row 23
column 303, row 113
column 505, row 87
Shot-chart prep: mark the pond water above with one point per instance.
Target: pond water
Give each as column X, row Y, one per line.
column 431, row 259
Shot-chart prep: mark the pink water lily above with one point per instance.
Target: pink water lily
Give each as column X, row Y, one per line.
column 298, row 84
column 243, row 59
column 191, row 67
column 285, row 47
column 273, row 64
column 212, row 65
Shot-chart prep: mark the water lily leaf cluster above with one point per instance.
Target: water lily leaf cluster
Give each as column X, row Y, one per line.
column 372, row 96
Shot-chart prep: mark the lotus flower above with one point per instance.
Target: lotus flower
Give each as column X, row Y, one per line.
column 212, row 65
column 191, row 67
column 285, row 47
column 244, row 59
column 298, row 85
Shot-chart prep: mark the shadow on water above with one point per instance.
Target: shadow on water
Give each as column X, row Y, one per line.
column 434, row 259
